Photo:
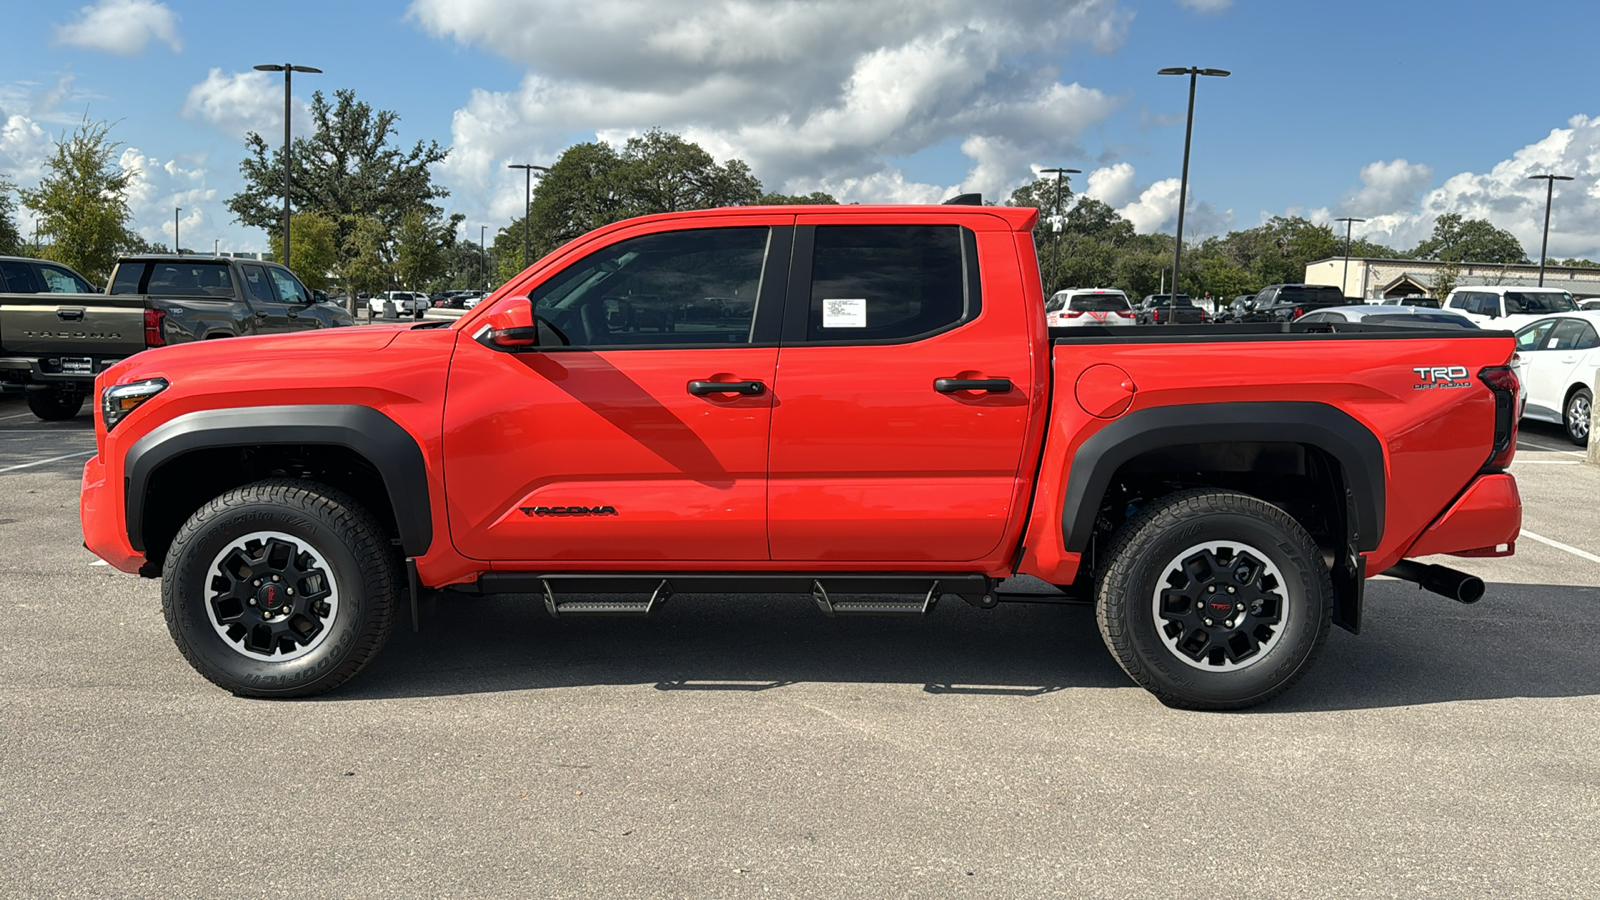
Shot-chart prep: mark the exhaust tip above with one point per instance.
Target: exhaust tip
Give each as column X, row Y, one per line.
column 1471, row 590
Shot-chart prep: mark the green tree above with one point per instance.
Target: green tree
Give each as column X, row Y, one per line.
column 1046, row 194
column 662, row 172
column 10, row 236
column 82, row 202
column 348, row 170
column 364, row 264
column 1457, row 239
column 421, row 248
column 815, row 198
column 1577, row 263
column 314, row 254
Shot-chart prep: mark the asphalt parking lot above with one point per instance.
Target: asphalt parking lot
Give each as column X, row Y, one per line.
column 745, row 746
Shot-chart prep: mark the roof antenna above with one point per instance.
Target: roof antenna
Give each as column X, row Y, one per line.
column 964, row 200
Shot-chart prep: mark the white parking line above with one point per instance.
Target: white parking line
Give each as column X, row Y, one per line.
column 40, row 462
column 16, row 415
column 1548, row 462
column 1525, row 444
column 1582, row 554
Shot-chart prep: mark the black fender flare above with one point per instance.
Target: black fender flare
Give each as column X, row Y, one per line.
column 362, row 429
column 1357, row 450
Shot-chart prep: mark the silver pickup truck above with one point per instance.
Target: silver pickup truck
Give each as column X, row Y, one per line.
column 53, row 342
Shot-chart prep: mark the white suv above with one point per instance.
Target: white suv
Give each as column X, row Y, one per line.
column 1088, row 306
column 1508, row 306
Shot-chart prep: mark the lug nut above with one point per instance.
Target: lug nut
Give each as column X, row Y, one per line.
column 1238, row 606
column 1230, row 587
column 1209, row 622
column 252, row 601
column 276, row 578
column 256, row 583
column 291, row 593
column 1212, row 589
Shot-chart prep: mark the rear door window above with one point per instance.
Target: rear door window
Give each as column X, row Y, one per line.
column 127, row 279
column 890, row 283
column 1565, row 335
column 17, row 278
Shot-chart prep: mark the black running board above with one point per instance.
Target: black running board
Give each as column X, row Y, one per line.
column 652, row 589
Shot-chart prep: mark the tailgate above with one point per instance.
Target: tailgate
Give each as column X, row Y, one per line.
column 71, row 324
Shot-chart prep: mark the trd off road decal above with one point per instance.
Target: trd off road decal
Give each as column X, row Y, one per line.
column 1441, row 377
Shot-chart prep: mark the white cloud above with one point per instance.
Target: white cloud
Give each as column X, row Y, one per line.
column 1504, row 195
column 813, row 94
column 159, row 187
column 243, row 102
column 1206, row 6
column 1112, row 185
column 122, row 27
column 1154, row 207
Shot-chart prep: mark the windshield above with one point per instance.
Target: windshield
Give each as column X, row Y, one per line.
column 1311, row 294
column 1098, row 302
column 1540, row 302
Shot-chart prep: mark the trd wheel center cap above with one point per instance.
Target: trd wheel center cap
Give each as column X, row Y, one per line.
column 272, row 596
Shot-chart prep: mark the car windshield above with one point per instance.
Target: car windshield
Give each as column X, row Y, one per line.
column 1098, row 302
column 1538, row 302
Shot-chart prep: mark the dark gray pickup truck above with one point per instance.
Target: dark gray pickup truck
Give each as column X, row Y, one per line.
column 53, row 343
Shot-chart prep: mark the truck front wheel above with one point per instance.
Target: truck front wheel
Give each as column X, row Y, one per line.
column 55, row 404
column 1214, row 600
column 280, row 589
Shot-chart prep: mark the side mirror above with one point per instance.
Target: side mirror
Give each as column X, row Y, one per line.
column 319, row 296
column 510, row 328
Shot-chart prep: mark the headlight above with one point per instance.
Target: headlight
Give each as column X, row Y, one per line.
column 117, row 402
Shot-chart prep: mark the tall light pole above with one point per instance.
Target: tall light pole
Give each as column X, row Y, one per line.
column 527, row 201
column 1344, row 280
column 1055, row 262
column 483, row 254
column 1183, row 184
column 288, row 72
column 175, row 244
column 1549, row 194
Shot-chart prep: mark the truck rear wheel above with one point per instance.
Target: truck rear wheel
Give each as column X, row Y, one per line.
column 280, row 589
column 55, row 404
column 1214, row 600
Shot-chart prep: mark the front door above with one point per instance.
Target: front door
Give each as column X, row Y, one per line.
column 636, row 431
column 903, row 393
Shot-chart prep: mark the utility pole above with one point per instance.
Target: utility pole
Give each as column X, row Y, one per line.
column 1549, row 194
column 288, row 71
column 1344, row 280
column 175, row 244
column 1183, row 183
column 527, row 202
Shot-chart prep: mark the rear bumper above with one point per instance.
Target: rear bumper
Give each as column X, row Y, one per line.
column 1484, row 521
column 100, row 514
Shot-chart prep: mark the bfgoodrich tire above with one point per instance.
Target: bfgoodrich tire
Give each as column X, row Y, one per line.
column 56, row 404
column 1214, row 600
column 280, row 589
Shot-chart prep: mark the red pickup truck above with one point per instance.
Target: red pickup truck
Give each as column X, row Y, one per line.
column 860, row 404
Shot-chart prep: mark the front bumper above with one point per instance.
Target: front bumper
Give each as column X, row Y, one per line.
column 100, row 514
column 1484, row 521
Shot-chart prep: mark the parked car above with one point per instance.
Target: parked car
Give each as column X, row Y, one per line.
column 407, row 304
column 1164, row 309
column 1559, row 357
column 24, row 275
column 53, row 344
column 1509, row 307
column 1411, row 300
column 1288, row 302
column 1088, row 306
column 1590, row 304
column 1377, row 314
column 1237, row 310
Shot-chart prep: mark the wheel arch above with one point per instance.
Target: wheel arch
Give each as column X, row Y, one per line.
column 1319, row 427
column 183, row 463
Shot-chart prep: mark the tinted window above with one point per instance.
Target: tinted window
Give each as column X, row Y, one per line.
column 1532, row 337
column 1311, row 294
column 1566, row 334
column 1313, row 318
column 288, row 288
column 1056, row 303
column 1538, row 302
column 187, row 279
column 255, row 283
column 126, row 281
column 888, row 282
column 1165, row 300
column 681, row 287
column 1099, row 302
column 1587, row 338
column 62, row 281
column 18, row 278
column 1420, row 320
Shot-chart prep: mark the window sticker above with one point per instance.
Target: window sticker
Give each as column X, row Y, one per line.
column 849, row 312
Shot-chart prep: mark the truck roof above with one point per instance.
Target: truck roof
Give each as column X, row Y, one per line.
column 1019, row 218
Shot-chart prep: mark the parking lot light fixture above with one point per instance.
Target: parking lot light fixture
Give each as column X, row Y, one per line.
column 1055, row 262
column 288, row 71
column 1194, row 72
column 527, row 201
column 1344, row 281
column 175, row 244
column 1549, row 194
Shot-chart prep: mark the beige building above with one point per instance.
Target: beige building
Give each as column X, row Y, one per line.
column 1375, row 279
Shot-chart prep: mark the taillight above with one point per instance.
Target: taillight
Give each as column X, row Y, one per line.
column 1298, row 312
column 152, row 328
column 1125, row 313
column 1502, row 381
column 1074, row 313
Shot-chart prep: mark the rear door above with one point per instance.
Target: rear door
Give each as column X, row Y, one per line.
column 903, row 392
column 617, row 442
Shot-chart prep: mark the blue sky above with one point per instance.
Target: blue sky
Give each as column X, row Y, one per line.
column 1392, row 111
